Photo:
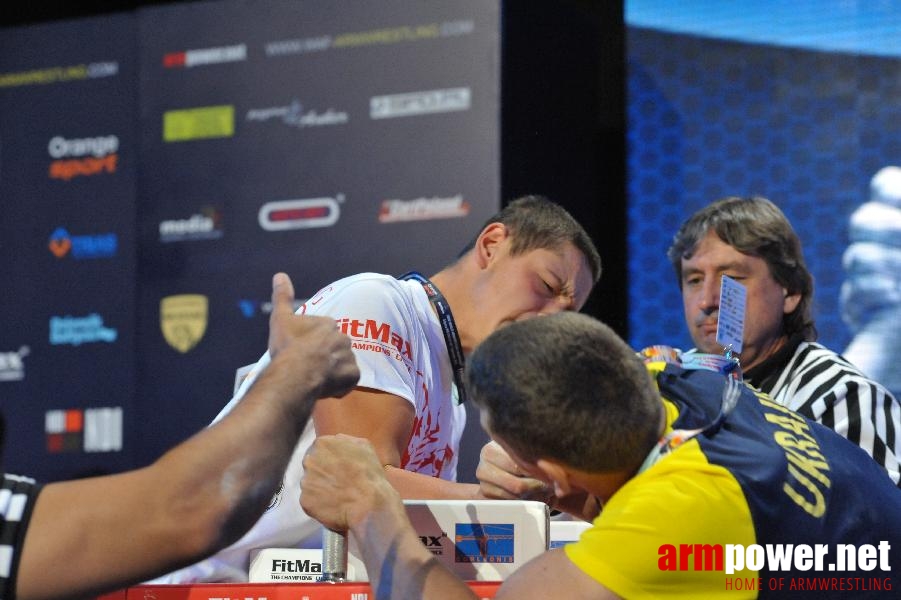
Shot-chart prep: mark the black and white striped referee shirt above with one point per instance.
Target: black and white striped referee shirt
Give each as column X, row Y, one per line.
column 820, row 384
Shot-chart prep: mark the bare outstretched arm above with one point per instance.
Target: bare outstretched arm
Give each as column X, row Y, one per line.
column 107, row 532
column 344, row 487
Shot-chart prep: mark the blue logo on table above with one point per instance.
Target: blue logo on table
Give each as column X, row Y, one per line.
column 484, row 543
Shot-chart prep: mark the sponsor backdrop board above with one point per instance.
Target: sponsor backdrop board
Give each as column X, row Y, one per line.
column 310, row 137
column 795, row 101
column 67, row 240
column 313, row 137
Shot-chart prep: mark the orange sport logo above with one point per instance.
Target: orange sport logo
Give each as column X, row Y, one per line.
column 82, row 157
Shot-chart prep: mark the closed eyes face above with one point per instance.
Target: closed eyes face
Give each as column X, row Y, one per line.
column 534, row 283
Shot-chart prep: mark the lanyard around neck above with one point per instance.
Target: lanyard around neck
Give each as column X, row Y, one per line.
column 727, row 365
column 448, row 328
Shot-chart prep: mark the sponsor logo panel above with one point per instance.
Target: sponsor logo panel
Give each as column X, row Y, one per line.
column 484, row 543
column 204, row 122
column 205, row 56
column 183, row 320
column 75, row 331
column 82, row 157
column 307, row 213
column 81, row 247
column 12, row 364
column 423, row 209
column 372, row 37
column 434, row 543
column 205, row 225
column 59, row 74
column 411, row 104
column 295, row 115
column 84, row 430
column 296, row 570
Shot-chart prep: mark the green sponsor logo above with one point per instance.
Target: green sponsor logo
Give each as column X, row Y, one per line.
column 199, row 123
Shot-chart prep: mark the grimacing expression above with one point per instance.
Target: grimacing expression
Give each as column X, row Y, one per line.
column 766, row 301
column 533, row 283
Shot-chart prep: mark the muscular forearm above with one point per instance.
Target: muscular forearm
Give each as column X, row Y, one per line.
column 230, row 470
column 107, row 532
column 398, row 564
column 414, row 486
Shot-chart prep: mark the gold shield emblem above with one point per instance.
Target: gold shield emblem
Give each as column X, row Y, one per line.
column 183, row 320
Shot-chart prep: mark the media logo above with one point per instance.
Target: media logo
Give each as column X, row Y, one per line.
column 419, row 103
column 75, row 331
column 294, row 115
column 205, row 56
column 82, row 157
column 423, row 209
column 88, row 430
column 484, row 543
column 307, row 213
column 12, row 364
column 203, row 122
column 205, row 225
column 183, row 320
column 62, row 244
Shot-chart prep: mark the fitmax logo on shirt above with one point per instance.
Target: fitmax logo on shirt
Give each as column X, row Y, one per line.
column 371, row 329
column 103, row 245
column 75, row 331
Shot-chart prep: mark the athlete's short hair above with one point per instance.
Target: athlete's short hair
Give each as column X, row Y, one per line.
column 566, row 387
column 535, row 223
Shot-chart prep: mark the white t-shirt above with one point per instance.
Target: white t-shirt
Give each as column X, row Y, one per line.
column 400, row 349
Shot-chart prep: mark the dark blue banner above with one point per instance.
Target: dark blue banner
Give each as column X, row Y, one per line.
column 157, row 167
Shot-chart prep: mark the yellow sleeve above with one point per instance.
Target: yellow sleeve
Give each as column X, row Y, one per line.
column 638, row 546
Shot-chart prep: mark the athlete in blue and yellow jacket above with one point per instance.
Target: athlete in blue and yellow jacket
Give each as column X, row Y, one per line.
column 766, row 477
column 704, row 493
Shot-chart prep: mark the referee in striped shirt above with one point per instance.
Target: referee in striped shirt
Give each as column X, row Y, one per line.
column 751, row 241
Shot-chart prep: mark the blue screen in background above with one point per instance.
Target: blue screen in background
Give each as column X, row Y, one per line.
column 797, row 101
